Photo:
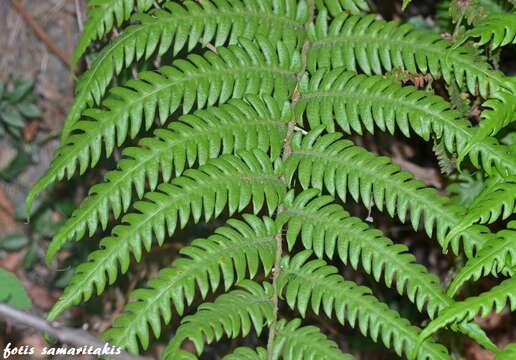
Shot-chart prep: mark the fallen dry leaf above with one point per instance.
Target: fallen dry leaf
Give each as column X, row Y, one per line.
column 7, row 210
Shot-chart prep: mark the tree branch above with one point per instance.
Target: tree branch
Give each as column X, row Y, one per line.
column 65, row 335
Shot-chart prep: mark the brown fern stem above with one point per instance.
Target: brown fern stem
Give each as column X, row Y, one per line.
column 287, row 152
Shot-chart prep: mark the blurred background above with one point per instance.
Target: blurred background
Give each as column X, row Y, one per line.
column 37, row 39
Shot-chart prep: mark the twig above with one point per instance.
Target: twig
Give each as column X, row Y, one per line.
column 69, row 336
column 40, row 33
column 78, row 14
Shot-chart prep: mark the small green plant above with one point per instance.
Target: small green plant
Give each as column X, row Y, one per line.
column 13, row 292
column 16, row 107
column 254, row 129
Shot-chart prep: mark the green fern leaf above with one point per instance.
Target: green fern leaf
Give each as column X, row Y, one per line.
column 374, row 45
column 230, row 255
column 239, row 125
column 336, row 7
column 232, row 314
column 183, row 355
column 178, row 26
column 405, row 4
column 497, row 255
column 499, row 112
column 508, row 353
column 485, row 8
column 316, row 284
column 466, row 188
column 326, row 228
column 244, row 353
column 497, row 200
column 497, row 29
column 339, row 166
column 13, row 292
column 304, row 342
column 225, row 181
column 231, row 72
column 103, row 15
column 493, row 300
column 354, row 102
column 293, row 341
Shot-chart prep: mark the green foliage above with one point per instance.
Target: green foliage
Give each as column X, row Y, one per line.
column 13, row 292
column 180, row 26
column 227, row 181
column 317, row 285
column 306, row 342
column 341, row 168
column 16, row 106
column 449, row 11
column 497, row 200
column 405, row 4
column 354, row 102
column 253, row 307
column 231, row 254
column 356, row 42
column 103, row 15
column 235, row 126
column 239, row 114
column 327, row 228
column 497, row 29
column 508, row 353
column 250, row 69
column 493, row 258
column 482, row 305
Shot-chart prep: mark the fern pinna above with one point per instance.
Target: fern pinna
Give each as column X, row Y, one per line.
column 244, row 109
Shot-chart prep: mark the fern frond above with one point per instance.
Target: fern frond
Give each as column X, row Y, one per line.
column 316, row 284
column 465, row 188
column 103, row 15
column 499, row 253
column 376, row 45
column 508, row 353
column 232, row 314
column 497, row 200
column 485, row 7
column 257, row 123
column 295, row 342
column 337, row 7
column 183, row 26
column 339, row 166
column 498, row 29
column 498, row 112
column 326, row 228
column 493, row 300
column 224, row 182
column 354, row 102
column 292, row 342
column 230, row 255
column 244, row 353
column 230, row 73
